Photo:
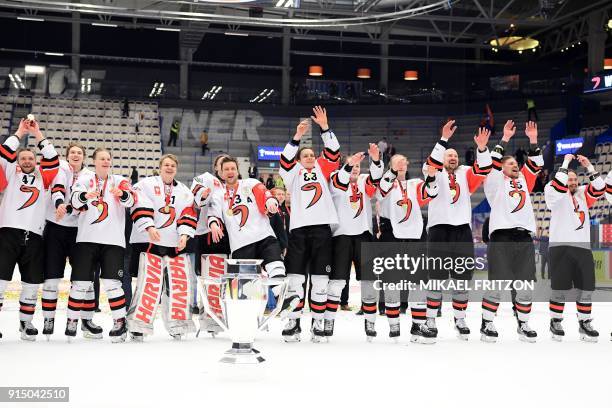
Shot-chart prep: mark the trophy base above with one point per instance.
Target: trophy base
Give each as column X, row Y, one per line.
column 242, row 353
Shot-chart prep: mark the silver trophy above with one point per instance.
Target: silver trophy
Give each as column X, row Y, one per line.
column 243, row 296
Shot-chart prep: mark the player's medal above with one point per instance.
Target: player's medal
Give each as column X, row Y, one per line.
column 404, row 196
column 355, row 196
column 231, row 198
column 167, row 196
column 229, row 212
column 101, row 190
column 354, row 205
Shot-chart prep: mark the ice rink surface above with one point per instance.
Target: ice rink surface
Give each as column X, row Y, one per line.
column 347, row 371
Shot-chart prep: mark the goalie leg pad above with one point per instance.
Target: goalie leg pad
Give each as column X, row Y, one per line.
column 148, row 292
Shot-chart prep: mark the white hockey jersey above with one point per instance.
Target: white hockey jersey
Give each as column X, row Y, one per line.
column 170, row 209
column 311, row 201
column 609, row 187
column 401, row 202
column 509, row 198
column 452, row 205
column 23, row 203
column 198, row 186
column 352, row 200
column 569, row 219
column 242, row 213
column 61, row 191
column 102, row 220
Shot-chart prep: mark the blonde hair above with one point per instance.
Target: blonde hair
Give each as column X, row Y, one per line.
column 169, row 156
column 100, row 150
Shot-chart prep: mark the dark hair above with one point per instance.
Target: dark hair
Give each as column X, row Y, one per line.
column 24, row 149
column 77, row 145
column 301, row 149
column 506, row 158
column 100, row 150
column 229, row 159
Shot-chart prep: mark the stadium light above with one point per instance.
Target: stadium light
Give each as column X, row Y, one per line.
column 212, row 92
column 315, row 70
column 30, row 19
column 167, row 29
column 157, row 89
column 411, row 75
column 54, row 54
column 104, row 25
column 236, row 33
column 34, row 69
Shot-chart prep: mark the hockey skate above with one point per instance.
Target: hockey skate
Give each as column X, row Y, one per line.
column 526, row 333
column 394, row 331
column 119, row 331
column 369, row 330
column 488, row 332
column 136, row 337
column 556, row 329
column 71, row 329
column 463, row 331
column 48, row 327
column 28, row 331
column 90, row 329
column 317, row 331
column 291, row 332
column 431, row 325
column 587, row 332
column 421, row 333
column 329, row 328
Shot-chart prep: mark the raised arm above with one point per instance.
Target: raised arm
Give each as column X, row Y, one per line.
column 330, row 159
column 288, row 160
column 535, row 160
column 483, row 164
column 376, row 170
column 597, row 187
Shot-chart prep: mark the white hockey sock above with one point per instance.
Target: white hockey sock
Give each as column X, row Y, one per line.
column 27, row 301
column 334, row 292
column 88, row 308
column 116, row 297
column 49, row 297
column 78, row 289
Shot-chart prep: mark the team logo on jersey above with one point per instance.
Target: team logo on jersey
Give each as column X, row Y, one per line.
column 517, row 193
column 455, row 192
column 318, row 191
column 35, row 193
column 103, row 212
column 157, row 190
column 243, row 211
column 581, row 218
column 406, row 205
column 171, row 211
column 357, row 202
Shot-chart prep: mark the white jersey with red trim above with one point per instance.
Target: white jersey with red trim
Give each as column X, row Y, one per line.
column 401, row 202
column 353, row 200
column 569, row 219
column 102, row 220
column 61, row 190
column 452, row 205
column 509, row 198
column 200, row 184
column 168, row 208
column 609, row 187
column 311, row 201
column 242, row 212
column 23, row 203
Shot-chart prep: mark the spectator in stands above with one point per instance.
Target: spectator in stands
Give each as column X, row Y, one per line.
column 174, row 132
column 390, row 150
column 543, row 250
column 278, row 181
column 253, row 172
column 138, row 118
column 531, row 110
column 204, row 141
column 125, row 111
column 134, row 175
column 469, row 156
column 269, row 182
column 520, row 155
column 548, row 151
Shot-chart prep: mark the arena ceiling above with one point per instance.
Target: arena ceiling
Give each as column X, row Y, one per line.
column 465, row 26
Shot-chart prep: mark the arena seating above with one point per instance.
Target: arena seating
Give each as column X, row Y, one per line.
column 98, row 123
